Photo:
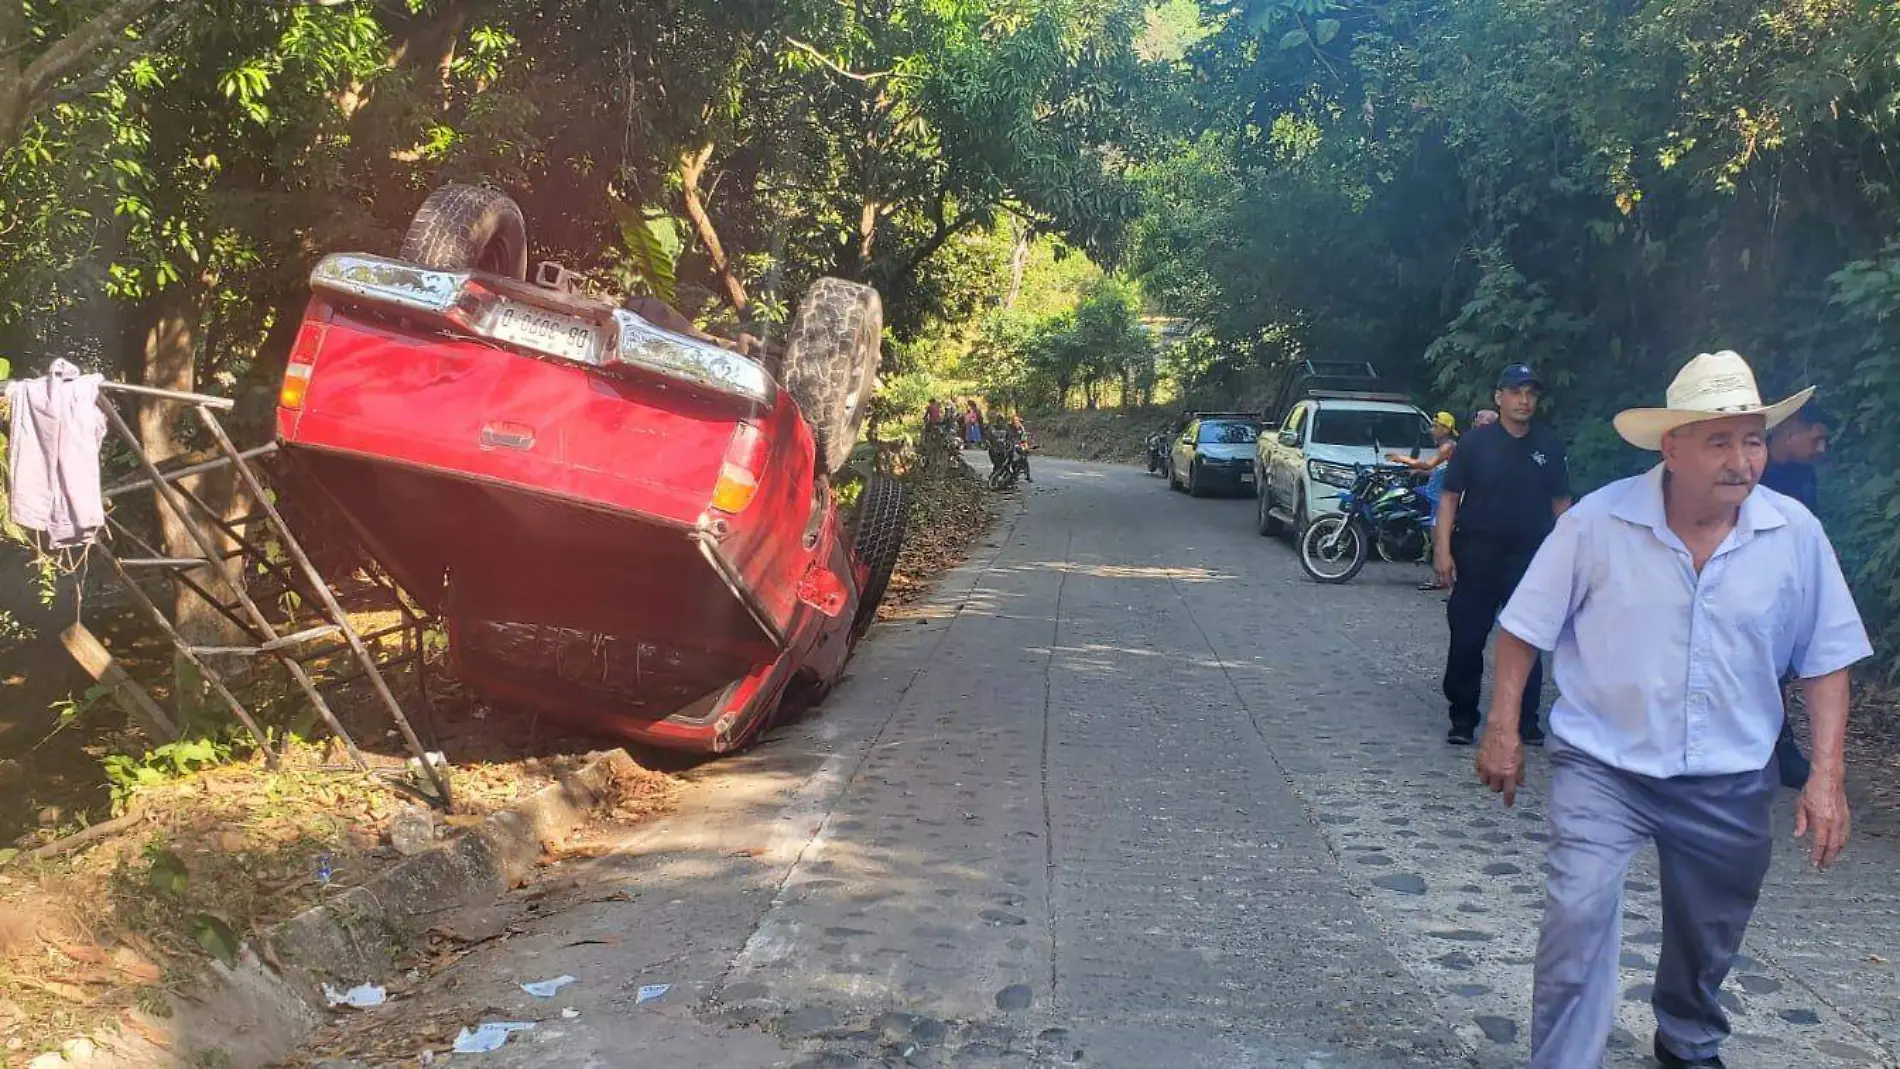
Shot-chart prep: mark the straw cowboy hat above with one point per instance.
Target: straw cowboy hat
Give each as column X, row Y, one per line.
column 1712, row 386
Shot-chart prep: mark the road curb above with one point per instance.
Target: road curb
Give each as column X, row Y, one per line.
column 262, row 1008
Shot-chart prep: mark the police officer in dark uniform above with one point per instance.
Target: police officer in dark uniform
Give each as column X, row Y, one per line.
column 1504, row 489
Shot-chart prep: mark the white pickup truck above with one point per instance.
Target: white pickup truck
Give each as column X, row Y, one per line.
column 1304, row 463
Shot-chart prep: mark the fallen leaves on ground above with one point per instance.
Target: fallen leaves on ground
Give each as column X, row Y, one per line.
column 221, row 854
column 948, row 513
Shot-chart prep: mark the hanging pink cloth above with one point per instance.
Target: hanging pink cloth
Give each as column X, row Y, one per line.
column 54, row 440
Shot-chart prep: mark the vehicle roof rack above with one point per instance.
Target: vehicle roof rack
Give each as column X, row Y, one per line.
column 1359, row 395
column 1225, row 415
column 1336, row 369
column 1315, row 378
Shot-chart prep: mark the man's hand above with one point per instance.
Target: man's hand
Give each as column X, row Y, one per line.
column 1822, row 809
column 1442, row 565
column 1501, row 761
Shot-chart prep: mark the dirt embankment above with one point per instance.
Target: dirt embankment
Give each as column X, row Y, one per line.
column 948, row 513
column 1117, row 435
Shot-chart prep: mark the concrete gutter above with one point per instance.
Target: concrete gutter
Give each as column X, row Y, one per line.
column 264, row 1007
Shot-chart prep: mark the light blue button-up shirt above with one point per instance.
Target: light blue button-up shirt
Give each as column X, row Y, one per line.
column 1667, row 673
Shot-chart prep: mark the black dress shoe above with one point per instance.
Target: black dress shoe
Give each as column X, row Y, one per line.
column 1669, row 1060
column 1533, row 737
column 1460, row 735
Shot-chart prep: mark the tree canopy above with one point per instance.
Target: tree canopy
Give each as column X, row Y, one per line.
column 1445, row 186
column 1437, row 186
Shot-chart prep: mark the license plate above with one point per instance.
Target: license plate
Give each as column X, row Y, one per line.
column 1247, row 477
column 565, row 336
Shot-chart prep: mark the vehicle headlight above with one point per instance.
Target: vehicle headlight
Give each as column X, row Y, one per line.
column 1331, row 474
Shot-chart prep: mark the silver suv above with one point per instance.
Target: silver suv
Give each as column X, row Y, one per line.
column 1304, row 465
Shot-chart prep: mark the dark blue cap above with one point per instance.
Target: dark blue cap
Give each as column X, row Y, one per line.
column 1518, row 375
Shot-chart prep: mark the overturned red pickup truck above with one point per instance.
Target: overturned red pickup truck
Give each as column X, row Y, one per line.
column 625, row 527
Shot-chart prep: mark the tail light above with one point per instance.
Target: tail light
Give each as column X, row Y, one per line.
column 741, row 470
column 303, row 362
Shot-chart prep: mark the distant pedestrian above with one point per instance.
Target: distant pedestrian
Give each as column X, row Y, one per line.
column 1505, row 486
column 973, row 426
column 933, row 417
column 1018, row 434
column 1670, row 602
column 1793, row 449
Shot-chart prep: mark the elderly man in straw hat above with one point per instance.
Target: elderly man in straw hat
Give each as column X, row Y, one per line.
column 1672, row 601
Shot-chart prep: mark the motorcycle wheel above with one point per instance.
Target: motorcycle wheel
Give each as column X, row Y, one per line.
column 1332, row 549
column 1403, row 548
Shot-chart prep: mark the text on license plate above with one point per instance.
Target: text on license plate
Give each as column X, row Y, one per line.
column 565, row 336
column 1246, row 477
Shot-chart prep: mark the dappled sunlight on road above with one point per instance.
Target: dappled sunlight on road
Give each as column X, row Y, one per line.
column 1125, row 571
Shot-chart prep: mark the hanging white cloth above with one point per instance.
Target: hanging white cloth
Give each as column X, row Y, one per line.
column 53, row 469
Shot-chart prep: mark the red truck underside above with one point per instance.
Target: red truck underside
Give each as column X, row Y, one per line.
column 562, row 521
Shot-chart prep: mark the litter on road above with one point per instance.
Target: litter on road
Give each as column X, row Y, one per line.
column 489, row 1036
column 360, row 997
column 651, row 992
column 547, row 988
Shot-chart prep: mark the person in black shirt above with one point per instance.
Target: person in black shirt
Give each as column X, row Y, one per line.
column 1504, row 489
column 1793, row 448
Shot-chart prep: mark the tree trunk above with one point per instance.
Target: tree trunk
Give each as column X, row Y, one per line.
column 170, row 363
column 69, row 64
column 692, row 169
column 1018, row 263
column 867, row 236
column 427, row 41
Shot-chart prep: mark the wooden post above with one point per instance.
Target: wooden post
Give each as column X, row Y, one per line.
column 98, row 662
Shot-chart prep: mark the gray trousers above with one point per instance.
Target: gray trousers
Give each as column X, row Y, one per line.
column 1713, row 837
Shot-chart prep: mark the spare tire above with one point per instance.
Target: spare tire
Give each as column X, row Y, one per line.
column 877, row 536
column 831, row 363
column 469, row 228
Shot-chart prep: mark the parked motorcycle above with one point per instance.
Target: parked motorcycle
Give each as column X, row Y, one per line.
column 1383, row 512
column 1158, row 444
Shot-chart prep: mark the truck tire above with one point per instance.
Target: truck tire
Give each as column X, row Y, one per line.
column 464, row 228
column 831, row 362
column 1265, row 522
column 877, row 535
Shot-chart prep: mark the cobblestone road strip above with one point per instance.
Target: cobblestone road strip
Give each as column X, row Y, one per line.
column 1129, row 791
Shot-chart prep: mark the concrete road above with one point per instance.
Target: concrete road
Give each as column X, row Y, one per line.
column 1129, row 791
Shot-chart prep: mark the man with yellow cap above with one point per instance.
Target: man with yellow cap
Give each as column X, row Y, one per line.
column 1671, row 603
column 1445, row 436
